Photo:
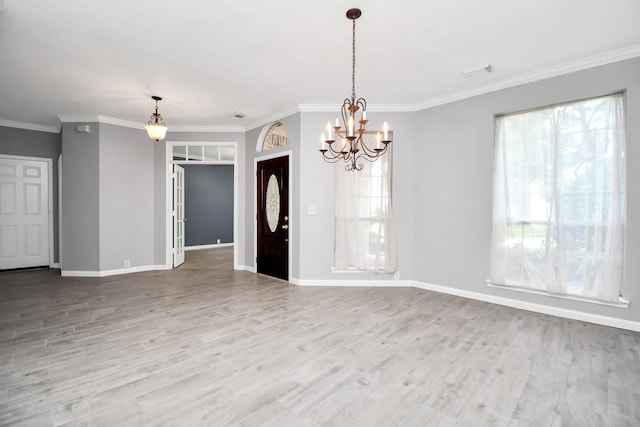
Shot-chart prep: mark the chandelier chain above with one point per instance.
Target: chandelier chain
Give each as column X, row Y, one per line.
column 353, row 62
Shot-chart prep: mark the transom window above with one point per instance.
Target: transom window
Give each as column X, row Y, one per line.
column 218, row 153
column 276, row 137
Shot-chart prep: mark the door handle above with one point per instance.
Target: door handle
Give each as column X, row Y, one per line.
column 285, row 227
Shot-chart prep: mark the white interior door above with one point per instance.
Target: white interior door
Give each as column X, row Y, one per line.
column 24, row 213
column 178, row 215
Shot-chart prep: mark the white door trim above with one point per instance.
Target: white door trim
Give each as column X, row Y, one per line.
column 50, row 196
column 169, row 195
column 292, row 230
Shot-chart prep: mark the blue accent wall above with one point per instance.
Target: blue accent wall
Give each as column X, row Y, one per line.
column 208, row 204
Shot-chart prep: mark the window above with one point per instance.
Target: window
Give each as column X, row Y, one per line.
column 219, row 153
column 276, row 137
column 364, row 233
column 559, row 196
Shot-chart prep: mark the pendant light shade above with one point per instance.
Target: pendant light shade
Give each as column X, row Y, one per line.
column 156, row 128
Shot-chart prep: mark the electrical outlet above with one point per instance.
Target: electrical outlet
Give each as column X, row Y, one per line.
column 218, row 242
column 126, row 263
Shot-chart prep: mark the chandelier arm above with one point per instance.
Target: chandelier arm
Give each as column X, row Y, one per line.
column 361, row 103
column 331, row 153
column 332, row 159
column 368, row 151
column 345, row 112
column 375, row 151
column 353, row 166
column 371, row 158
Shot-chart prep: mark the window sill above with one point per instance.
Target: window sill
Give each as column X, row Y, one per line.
column 621, row 303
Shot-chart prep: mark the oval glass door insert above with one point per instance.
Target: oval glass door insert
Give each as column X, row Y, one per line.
column 273, row 203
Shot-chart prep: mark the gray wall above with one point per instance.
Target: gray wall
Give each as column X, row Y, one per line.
column 126, row 205
column 208, row 204
column 453, row 172
column 79, row 234
column 108, row 211
column 31, row 143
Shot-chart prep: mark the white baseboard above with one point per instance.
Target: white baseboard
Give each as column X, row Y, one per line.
column 354, row 283
column 508, row 302
column 106, row 273
column 248, row 268
column 198, row 247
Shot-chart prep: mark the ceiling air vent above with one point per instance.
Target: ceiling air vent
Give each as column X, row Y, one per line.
column 477, row 71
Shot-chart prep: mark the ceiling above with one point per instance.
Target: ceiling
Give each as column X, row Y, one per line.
column 210, row 59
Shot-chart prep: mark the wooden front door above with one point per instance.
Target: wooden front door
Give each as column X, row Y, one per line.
column 273, row 217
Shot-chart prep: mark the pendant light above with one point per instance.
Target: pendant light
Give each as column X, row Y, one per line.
column 156, row 128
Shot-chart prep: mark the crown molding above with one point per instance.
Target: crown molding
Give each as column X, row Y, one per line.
column 330, row 108
column 318, row 108
column 29, row 126
column 273, row 118
column 218, row 129
column 93, row 118
column 541, row 74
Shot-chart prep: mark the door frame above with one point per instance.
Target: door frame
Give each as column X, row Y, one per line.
column 269, row 156
column 169, row 162
column 49, row 163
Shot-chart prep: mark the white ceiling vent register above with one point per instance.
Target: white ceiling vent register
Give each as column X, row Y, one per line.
column 477, row 71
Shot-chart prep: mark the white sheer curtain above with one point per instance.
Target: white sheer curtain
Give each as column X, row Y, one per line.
column 559, row 194
column 364, row 233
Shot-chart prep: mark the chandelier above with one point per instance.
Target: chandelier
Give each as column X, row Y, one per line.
column 156, row 128
column 349, row 144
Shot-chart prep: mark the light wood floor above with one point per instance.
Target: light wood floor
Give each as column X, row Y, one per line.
column 209, row 259
column 195, row 347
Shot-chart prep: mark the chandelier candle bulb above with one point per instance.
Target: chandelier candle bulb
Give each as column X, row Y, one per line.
column 329, row 131
column 364, row 116
column 378, row 141
column 385, row 129
column 351, row 126
column 322, row 143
